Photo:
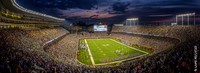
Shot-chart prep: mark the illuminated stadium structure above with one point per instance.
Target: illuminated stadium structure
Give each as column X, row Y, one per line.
column 40, row 43
column 14, row 16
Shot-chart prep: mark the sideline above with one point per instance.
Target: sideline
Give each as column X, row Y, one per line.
column 107, row 63
column 91, row 57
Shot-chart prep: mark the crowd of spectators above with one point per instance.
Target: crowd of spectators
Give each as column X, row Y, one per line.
column 177, row 60
column 183, row 33
column 23, row 51
column 65, row 50
column 22, row 46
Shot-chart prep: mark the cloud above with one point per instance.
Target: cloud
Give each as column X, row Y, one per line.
column 65, row 4
column 83, row 13
column 111, row 9
column 120, row 7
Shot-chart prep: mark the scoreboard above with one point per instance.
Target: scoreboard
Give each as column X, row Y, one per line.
column 100, row 28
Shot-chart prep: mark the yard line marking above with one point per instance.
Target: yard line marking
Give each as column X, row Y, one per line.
column 97, row 46
column 129, row 46
column 118, row 61
column 91, row 57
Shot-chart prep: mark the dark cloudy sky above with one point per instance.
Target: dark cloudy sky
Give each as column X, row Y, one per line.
column 114, row 10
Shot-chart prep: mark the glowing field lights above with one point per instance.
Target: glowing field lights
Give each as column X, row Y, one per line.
column 132, row 21
column 189, row 14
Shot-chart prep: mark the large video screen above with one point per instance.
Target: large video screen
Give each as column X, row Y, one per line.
column 100, row 27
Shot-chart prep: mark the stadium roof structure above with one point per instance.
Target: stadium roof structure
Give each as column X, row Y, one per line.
column 33, row 12
column 13, row 12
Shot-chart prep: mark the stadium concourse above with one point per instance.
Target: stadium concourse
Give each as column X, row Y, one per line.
column 36, row 43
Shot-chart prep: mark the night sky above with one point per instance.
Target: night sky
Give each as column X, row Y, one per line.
column 114, row 10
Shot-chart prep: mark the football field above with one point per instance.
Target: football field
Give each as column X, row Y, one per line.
column 107, row 51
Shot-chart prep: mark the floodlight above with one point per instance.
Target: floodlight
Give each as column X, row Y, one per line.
column 132, row 19
column 185, row 15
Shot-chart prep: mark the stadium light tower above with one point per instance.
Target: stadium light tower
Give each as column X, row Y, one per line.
column 188, row 15
column 130, row 20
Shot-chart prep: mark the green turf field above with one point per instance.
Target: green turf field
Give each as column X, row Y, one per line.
column 106, row 51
